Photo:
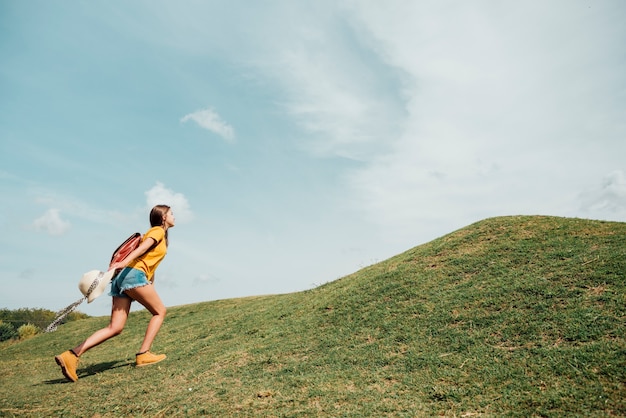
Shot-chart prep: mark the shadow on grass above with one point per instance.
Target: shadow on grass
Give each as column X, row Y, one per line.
column 90, row 370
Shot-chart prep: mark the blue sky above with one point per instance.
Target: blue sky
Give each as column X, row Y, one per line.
column 296, row 141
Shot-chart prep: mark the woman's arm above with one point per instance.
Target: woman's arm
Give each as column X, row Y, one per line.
column 136, row 253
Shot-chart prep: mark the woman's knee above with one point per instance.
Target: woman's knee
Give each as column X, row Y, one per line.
column 157, row 309
column 116, row 329
column 161, row 311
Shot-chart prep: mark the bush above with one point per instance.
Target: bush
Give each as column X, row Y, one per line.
column 36, row 316
column 27, row 331
column 7, row 332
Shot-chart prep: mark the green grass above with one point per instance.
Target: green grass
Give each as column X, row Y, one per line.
column 511, row 316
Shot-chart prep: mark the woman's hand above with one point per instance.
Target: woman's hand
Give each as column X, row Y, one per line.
column 117, row 266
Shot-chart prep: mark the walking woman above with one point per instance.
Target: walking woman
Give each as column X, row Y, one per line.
column 134, row 282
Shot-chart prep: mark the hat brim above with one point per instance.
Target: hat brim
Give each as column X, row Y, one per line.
column 105, row 279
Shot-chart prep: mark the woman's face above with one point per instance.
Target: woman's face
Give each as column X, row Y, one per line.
column 169, row 220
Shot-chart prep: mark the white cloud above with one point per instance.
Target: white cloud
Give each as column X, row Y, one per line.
column 506, row 117
column 208, row 119
column 609, row 197
column 160, row 195
column 51, row 223
column 78, row 208
column 27, row 274
column 347, row 99
column 205, row 279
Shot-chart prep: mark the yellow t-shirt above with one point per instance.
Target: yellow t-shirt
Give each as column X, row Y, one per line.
column 151, row 259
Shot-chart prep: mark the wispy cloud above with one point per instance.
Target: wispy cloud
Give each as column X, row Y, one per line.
column 78, row 208
column 208, row 119
column 492, row 107
column 161, row 195
column 51, row 223
column 336, row 86
column 205, row 279
column 609, row 197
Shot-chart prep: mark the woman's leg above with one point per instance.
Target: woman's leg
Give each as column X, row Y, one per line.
column 148, row 297
column 119, row 314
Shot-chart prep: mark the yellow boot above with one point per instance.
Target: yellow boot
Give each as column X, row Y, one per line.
column 144, row 359
column 68, row 362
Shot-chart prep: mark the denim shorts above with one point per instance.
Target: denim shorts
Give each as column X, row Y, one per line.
column 128, row 278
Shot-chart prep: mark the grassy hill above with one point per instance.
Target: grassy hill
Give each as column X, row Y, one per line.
column 516, row 316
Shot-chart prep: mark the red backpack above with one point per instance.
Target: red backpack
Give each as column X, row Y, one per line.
column 125, row 248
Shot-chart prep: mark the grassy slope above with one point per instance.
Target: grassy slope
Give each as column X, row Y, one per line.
column 514, row 316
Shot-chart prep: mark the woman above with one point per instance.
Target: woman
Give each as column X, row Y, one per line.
column 134, row 282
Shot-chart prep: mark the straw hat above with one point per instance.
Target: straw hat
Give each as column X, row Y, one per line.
column 93, row 283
